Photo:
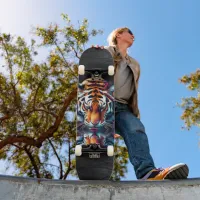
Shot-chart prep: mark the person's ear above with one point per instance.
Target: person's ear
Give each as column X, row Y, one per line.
column 117, row 35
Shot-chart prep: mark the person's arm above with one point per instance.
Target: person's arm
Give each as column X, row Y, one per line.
column 110, row 49
column 137, row 70
column 138, row 77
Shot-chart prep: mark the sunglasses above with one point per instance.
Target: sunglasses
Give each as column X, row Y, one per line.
column 130, row 32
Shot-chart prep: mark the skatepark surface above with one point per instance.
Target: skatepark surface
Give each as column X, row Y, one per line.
column 19, row 188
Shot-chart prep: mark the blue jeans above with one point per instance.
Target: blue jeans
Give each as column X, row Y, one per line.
column 133, row 132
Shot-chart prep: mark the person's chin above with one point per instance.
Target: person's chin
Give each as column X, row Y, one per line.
column 130, row 44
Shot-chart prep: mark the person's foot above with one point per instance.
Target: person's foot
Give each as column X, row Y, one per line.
column 178, row 171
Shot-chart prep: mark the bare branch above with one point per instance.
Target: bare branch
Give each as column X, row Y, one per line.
column 35, row 166
column 20, row 139
column 55, row 152
column 50, row 165
column 41, row 110
column 69, row 162
column 4, row 118
column 17, row 146
column 76, row 53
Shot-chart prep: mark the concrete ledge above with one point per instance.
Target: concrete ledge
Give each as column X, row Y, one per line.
column 19, row 188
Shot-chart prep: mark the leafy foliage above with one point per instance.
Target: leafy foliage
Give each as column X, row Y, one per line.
column 120, row 161
column 191, row 105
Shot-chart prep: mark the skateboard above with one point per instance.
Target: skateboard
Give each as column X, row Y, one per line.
column 95, row 115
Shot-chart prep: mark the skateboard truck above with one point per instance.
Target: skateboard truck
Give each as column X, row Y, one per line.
column 94, row 149
column 111, row 70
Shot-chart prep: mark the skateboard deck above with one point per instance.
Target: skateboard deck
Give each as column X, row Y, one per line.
column 95, row 116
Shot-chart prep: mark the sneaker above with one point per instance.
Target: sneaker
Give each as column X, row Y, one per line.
column 178, row 171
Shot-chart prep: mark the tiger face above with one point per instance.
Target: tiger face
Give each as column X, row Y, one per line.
column 95, row 114
column 95, row 103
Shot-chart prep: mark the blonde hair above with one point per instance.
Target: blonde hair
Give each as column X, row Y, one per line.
column 112, row 39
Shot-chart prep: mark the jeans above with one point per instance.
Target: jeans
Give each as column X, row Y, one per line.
column 133, row 132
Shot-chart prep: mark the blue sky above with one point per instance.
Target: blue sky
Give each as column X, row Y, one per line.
column 167, row 47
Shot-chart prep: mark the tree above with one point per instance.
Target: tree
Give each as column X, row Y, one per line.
column 191, row 105
column 37, row 101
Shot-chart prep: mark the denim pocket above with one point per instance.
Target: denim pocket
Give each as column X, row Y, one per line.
column 120, row 107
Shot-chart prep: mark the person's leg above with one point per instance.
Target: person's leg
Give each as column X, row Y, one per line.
column 133, row 132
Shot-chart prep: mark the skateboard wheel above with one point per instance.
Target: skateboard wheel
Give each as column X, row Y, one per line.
column 78, row 150
column 110, row 150
column 81, row 69
column 111, row 70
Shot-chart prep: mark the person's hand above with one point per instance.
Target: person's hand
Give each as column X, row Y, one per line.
column 97, row 46
column 117, row 136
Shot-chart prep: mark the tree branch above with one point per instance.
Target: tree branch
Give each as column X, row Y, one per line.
column 69, row 162
column 4, row 118
column 32, row 162
column 49, row 133
column 65, row 60
column 53, row 114
column 21, row 73
column 9, row 61
column 12, row 81
column 50, row 165
column 55, row 152
column 30, row 157
column 76, row 53
column 34, row 100
column 19, row 139
column 52, row 129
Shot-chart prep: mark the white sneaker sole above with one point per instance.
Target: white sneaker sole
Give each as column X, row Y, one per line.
column 178, row 171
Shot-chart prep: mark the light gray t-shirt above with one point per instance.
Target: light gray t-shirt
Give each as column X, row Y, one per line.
column 123, row 83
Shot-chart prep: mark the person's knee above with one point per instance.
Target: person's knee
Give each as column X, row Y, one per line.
column 137, row 126
column 129, row 122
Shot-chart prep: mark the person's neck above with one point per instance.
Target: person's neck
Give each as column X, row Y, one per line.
column 122, row 49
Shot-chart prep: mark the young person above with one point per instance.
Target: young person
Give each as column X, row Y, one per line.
column 127, row 116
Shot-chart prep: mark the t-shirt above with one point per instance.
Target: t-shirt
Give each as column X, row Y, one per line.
column 123, row 82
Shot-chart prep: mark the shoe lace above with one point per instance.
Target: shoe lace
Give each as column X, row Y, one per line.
column 161, row 170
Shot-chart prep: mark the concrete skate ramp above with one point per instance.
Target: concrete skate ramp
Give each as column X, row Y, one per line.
column 17, row 188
